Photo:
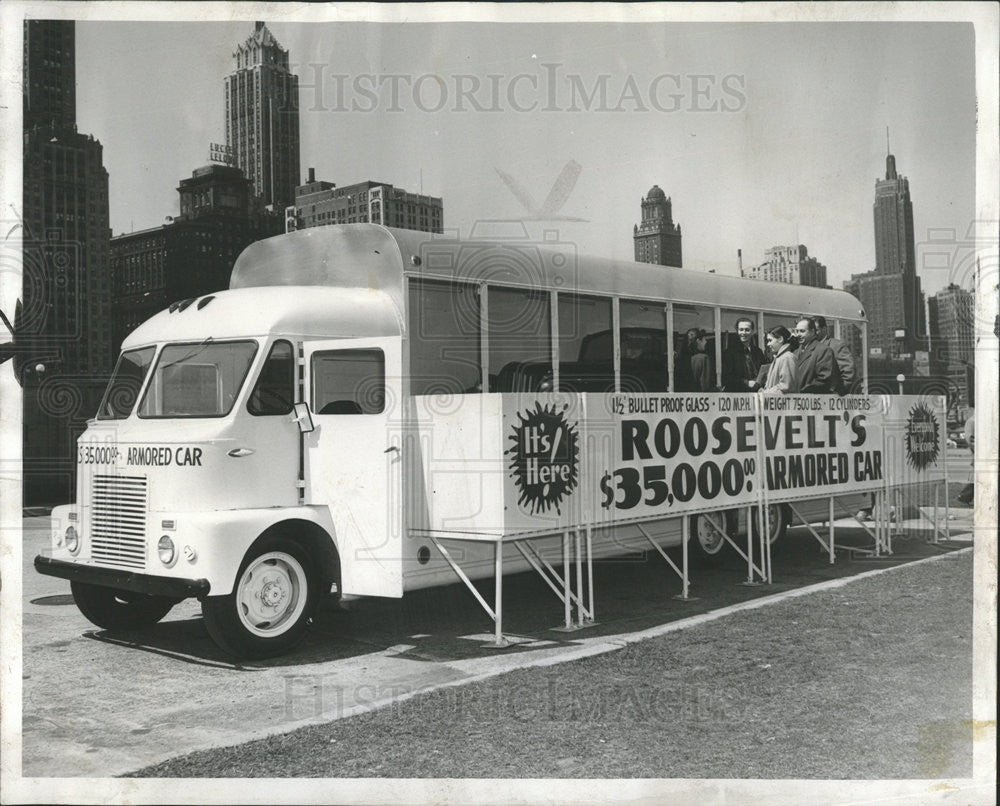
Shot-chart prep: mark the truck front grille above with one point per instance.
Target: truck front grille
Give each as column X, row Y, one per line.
column 118, row 521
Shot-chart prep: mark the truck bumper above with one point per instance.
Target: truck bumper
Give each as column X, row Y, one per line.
column 123, row 580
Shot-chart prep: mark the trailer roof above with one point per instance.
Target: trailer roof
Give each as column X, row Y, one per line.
column 376, row 257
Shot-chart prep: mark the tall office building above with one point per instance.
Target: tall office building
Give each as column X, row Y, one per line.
column 262, row 118
column 656, row 237
column 66, row 300
column 891, row 292
column 788, row 264
column 951, row 314
column 894, row 243
column 318, row 203
column 49, row 74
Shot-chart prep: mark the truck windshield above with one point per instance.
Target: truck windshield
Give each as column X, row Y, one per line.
column 123, row 390
column 197, row 380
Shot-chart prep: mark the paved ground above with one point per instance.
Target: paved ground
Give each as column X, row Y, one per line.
column 101, row 704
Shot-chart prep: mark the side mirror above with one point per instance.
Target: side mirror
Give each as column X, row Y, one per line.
column 304, row 418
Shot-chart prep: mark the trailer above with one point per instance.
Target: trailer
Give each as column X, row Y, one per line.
column 367, row 411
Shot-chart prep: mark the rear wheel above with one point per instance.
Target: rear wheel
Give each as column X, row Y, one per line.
column 271, row 604
column 115, row 609
column 778, row 520
column 707, row 530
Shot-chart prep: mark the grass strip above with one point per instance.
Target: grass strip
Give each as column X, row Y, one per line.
column 870, row 680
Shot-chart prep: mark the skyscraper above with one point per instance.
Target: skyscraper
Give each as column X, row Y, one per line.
column 49, row 74
column 657, row 239
column 952, row 327
column 894, row 250
column 891, row 292
column 66, row 302
column 262, row 118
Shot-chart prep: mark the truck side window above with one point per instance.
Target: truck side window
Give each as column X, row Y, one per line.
column 274, row 391
column 348, row 382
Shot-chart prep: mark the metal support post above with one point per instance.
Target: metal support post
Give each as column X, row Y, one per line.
column 767, row 543
column 499, row 640
column 947, row 507
column 764, row 535
column 590, row 574
column 498, row 592
column 579, row 578
column 831, row 530
column 685, row 536
column 548, row 574
column 751, row 568
column 900, row 500
column 659, row 549
column 565, row 579
column 937, row 498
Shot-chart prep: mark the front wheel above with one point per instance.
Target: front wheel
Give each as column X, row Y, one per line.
column 271, row 604
column 115, row 609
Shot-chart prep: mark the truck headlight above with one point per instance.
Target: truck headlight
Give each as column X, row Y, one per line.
column 165, row 548
column 72, row 540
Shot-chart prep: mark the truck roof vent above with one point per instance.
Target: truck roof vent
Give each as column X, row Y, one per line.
column 184, row 304
column 204, row 301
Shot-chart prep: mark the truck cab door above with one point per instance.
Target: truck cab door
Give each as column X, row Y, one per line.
column 351, row 459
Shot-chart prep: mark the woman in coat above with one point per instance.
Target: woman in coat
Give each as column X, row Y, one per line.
column 781, row 375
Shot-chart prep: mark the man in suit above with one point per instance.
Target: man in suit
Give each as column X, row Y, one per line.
column 815, row 365
column 841, row 352
column 742, row 360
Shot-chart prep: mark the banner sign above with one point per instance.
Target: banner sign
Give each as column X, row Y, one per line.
column 916, row 438
column 567, row 460
column 668, row 454
column 542, row 460
column 817, row 446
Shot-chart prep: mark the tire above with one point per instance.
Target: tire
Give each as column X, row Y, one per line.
column 707, row 544
column 778, row 517
column 115, row 609
column 271, row 604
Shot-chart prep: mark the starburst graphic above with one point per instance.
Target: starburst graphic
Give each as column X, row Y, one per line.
column 544, row 457
column 922, row 437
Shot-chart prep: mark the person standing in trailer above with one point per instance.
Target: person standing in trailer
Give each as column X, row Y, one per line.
column 841, row 352
column 701, row 364
column 816, row 368
column 742, row 360
column 781, row 376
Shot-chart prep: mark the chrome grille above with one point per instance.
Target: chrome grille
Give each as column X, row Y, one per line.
column 118, row 521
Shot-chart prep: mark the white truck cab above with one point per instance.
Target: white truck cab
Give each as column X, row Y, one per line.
column 191, row 479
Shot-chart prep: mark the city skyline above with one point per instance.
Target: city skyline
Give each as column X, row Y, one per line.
column 794, row 160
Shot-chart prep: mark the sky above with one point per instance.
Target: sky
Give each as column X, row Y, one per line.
column 763, row 134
